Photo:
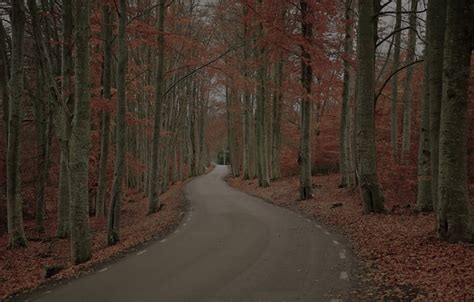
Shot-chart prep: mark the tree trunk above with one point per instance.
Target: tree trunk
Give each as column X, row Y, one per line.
column 154, row 191
column 395, row 66
column 16, row 233
column 407, row 95
column 344, row 132
column 63, row 121
column 454, row 214
column 262, row 165
column 79, row 143
column 304, row 160
column 436, row 24
column 276, row 127
column 371, row 193
column 424, row 201
column 113, row 225
column 105, row 116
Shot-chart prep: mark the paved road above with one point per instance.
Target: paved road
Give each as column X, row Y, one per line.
column 229, row 247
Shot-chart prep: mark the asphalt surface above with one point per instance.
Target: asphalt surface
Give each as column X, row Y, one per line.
column 229, row 247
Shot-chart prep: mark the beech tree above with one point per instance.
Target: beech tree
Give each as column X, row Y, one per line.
column 371, row 193
column 454, row 214
column 79, row 142
column 304, row 160
column 113, row 225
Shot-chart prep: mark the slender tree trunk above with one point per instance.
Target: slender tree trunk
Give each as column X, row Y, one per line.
column 154, row 191
column 4, row 79
column 105, row 116
column 436, row 24
column 304, row 160
column 276, row 127
column 344, row 132
column 63, row 121
column 113, row 225
column 371, row 193
column 408, row 94
column 16, row 233
column 79, row 143
column 247, row 131
column 424, row 201
column 395, row 66
column 262, row 166
column 454, row 213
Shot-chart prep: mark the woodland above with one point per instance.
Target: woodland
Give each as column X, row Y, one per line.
column 358, row 113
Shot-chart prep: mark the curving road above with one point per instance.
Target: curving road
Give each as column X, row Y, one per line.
column 229, row 247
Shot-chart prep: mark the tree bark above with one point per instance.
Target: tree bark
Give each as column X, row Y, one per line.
column 16, row 233
column 262, row 164
column 304, row 160
column 454, row 214
column 154, row 190
column 424, row 201
column 79, row 144
column 371, row 192
column 436, row 23
column 345, row 169
column 408, row 94
column 395, row 66
column 276, row 120
column 63, row 121
column 113, row 225
column 105, row 116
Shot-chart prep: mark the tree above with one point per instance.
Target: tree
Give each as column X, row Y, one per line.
column 436, row 23
column 105, row 117
column 154, row 191
column 113, row 225
column 371, row 192
column 454, row 215
column 261, row 138
column 63, row 121
column 424, row 198
column 407, row 95
column 79, row 143
column 345, row 161
column 395, row 66
column 304, row 160
column 16, row 233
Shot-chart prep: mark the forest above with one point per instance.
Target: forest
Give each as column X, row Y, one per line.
column 357, row 114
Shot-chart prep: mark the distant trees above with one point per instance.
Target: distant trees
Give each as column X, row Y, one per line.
column 70, row 91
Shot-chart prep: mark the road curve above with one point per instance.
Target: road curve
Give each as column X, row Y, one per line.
column 229, row 247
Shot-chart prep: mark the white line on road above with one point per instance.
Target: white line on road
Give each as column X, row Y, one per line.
column 343, row 276
column 163, row 240
column 141, row 252
column 308, row 220
column 318, row 226
column 335, row 242
column 103, row 270
column 342, row 255
column 327, row 233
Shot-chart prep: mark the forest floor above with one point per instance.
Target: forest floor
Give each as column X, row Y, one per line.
column 401, row 257
column 25, row 269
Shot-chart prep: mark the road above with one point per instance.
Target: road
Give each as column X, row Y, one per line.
column 229, row 247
